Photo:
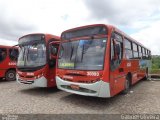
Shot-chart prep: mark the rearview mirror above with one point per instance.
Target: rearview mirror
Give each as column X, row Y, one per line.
column 53, row 50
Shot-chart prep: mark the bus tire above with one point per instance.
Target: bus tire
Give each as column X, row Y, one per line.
column 146, row 76
column 126, row 86
column 10, row 75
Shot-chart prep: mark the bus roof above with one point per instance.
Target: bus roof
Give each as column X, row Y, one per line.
column 46, row 34
column 110, row 27
column 5, row 46
column 77, row 28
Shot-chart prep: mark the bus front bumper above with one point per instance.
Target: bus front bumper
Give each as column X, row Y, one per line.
column 40, row 82
column 98, row 89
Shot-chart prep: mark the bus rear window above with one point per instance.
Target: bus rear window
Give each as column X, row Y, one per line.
column 89, row 31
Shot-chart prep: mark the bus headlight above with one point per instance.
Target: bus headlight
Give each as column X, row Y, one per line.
column 39, row 76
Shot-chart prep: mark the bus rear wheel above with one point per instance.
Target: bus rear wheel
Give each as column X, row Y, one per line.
column 10, row 75
column 146, row 75
column 126, row 86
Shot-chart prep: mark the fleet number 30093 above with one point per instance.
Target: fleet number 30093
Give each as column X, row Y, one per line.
column 92, row 73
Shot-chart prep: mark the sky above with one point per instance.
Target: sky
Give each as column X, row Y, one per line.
column 138, row 18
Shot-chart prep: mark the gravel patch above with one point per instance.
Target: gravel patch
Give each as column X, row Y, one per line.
column 144, row 98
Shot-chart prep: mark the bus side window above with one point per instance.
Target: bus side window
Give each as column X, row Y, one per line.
column 13, row 54
column 128, row 49
column 116, row 56
column 3, row 54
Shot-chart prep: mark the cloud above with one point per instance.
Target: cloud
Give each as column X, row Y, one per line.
column 150, row 37
column 138, row 18
column 33, row 16
column 12, row 22
column 8, row 42
column 123, row 12
column 20, row 17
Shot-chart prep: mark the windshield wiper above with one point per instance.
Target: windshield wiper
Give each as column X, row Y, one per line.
column 83, row 52
column 72, row 48
column 24, row 56
column 27, row 53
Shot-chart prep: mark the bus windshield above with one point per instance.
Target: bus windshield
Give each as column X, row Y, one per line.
column 32, row 54
column 86, row 54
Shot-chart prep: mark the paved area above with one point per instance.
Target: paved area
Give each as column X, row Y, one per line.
column 15, row 98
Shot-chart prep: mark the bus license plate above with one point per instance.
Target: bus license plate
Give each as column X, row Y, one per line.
column 75, row 87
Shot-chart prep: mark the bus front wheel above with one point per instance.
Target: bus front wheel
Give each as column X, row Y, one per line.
column 10, row 75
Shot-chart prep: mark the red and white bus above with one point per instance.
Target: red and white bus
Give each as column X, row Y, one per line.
column 36, row 63
column 8, row 62
column 100, row 60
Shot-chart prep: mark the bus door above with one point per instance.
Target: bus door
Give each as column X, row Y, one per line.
column 117, row 76
column 53, row 50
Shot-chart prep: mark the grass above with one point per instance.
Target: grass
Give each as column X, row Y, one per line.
column 155, row 71
column 155, row 65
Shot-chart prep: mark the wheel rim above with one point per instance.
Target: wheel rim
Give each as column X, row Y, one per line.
column 11, row 75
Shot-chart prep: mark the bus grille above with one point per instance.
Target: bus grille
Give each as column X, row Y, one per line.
column 25, row 82
column 79, row 90
column 82, row 81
